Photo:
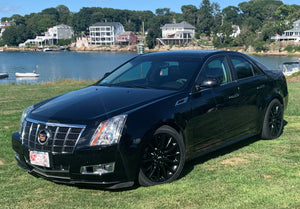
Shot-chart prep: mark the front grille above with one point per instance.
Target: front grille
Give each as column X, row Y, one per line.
column 63, row 137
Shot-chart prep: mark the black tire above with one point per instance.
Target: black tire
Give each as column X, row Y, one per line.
column 163, row 158
column 273, row 120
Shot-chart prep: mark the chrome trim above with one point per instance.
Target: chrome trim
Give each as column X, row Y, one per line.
column 65, row 125
column 64, row 137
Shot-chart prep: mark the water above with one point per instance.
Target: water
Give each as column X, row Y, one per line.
column 60, row 65
column 79, row 65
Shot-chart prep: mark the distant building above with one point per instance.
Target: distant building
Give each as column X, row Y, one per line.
column 177, row 33
column 4, row 25
column 105, row 33
column 288, row 35
column 52, row 36
column 235, row 31
column 127, row 38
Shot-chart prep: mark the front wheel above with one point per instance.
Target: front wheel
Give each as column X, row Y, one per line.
column 273, row 120
column 163, row 158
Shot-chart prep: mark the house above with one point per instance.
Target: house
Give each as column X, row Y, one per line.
column 105, row 33
column 288, row 35
column 177, row 33
column 52, row 36
column 127, row 38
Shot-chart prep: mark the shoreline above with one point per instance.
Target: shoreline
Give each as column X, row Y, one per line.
column 166, row 48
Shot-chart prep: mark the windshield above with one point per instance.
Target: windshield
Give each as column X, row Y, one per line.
column 163, row 72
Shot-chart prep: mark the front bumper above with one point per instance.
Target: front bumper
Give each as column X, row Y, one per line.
column 67, row 168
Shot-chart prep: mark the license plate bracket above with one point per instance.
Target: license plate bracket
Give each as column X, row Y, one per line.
column 39, row 158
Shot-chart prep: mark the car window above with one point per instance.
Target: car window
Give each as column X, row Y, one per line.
column 172, row 73
column 242, row 67
column 217, row 68
column 136, row 73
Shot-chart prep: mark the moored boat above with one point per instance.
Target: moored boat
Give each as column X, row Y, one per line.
column 3, row 75
column 27, row 74
column 289, row 68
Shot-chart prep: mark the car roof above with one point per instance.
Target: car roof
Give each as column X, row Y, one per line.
column 190, row 53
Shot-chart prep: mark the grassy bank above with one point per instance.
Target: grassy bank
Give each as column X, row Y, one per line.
column 252, row 174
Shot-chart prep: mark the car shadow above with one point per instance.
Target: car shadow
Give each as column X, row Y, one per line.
column 190, row 164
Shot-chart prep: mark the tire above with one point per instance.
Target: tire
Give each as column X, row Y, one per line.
column 163, row 158
column 273, row 120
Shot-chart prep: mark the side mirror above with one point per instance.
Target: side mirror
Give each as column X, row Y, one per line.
column 210, row 83
column 206, row 84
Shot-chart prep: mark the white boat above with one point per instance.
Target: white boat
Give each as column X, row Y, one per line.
column 3, row 75
column 47, row 49
column 289, row 68
column 27, row 74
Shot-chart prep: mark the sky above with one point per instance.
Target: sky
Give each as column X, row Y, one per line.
column 23, row 7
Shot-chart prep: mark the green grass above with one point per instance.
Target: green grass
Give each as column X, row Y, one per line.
column 252, row 174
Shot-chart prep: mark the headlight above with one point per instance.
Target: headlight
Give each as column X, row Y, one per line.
column 109, row 131
column 24, row 115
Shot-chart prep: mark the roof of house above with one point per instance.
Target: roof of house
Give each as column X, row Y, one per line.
column 183, row 24
column 106, row 24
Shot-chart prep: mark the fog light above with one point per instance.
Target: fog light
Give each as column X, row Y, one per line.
column 98, row 169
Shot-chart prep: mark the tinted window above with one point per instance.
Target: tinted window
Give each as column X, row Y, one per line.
column 154, row 72
column 136, row 73
column 242, row 67
column 218, row 69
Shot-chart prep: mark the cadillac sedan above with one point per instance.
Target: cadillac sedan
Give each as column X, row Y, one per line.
column 141, row 122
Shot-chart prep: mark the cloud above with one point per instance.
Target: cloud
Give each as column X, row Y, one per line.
column 9, row 9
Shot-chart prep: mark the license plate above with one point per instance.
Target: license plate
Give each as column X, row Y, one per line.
column 39, row 158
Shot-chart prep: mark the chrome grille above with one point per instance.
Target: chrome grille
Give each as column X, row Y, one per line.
column 63, row 137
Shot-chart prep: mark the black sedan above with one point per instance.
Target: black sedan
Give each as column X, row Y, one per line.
column 143, row 121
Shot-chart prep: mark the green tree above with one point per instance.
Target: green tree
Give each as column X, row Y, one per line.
column 189, row 13
column 151, row 39
column 65, row 16
column 231, row 14
column 205, row 17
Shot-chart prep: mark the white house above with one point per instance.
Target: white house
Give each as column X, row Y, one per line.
column 292, row 34
column 177, row 33
column 51, row 36
column 105, row 33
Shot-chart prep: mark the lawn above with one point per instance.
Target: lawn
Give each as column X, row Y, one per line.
column 252, row 174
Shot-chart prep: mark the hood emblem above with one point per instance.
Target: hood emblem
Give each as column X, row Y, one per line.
column 43, row 137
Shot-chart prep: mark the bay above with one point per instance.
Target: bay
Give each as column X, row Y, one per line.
column 80, row 65
column 60, row 65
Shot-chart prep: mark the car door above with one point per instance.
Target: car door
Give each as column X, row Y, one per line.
column 209, row 105
column 242, row 119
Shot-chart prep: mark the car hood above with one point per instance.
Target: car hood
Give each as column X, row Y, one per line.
column 93, row 103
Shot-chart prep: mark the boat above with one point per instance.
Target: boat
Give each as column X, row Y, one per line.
column 289, row 68
column 27, row 74
column 3, row 75
column 47, row 49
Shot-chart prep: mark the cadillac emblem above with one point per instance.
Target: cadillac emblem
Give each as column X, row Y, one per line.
column 44, row 135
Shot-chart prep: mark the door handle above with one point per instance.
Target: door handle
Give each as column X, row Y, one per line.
column 234, row 96
column 260, row 87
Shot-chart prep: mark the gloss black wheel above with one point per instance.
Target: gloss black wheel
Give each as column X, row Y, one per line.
column 163, row 158
column 273, row 120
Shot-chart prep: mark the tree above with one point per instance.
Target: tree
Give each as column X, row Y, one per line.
column 65, row 16
column 189, row 13
column 231, row 14
column 151, row 39
column 205, row 17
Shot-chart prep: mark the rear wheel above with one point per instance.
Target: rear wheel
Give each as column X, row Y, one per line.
column 163, row 158
column 273, row 120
